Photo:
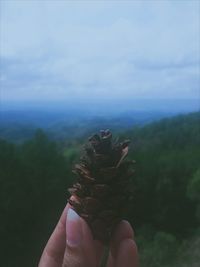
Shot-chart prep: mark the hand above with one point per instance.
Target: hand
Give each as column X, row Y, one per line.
column 71, row 245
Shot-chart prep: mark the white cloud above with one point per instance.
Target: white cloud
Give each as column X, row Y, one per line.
column 62, row 49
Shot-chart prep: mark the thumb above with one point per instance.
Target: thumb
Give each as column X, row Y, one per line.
column 80, row 251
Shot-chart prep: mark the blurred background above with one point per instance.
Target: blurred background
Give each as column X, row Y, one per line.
column 71, row 68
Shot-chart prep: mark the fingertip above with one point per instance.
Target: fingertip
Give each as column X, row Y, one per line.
column 122, row 231
column 127, row 228
column 127, row 254
column 73, row 229
column 77, row 230
column 64, row 215
column 80, row 249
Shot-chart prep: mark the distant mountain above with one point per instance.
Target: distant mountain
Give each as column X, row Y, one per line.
column 18, row 126
column 168, row 132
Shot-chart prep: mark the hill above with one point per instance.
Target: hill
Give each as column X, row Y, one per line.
column 18, row 126
column 165, row 210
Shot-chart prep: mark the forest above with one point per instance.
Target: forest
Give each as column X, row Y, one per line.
column 164, row 211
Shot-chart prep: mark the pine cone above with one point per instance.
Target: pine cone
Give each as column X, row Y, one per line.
column 102, row 190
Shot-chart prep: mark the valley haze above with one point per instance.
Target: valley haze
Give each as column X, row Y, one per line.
column 75, row 119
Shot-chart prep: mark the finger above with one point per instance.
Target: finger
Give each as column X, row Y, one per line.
column 53, row 253
column 80, row 246
column 123, row 231
column 127, row 254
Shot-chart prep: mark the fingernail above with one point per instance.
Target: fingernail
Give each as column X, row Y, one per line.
column 73, row 228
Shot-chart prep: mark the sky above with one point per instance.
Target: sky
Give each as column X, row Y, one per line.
column 99, row 50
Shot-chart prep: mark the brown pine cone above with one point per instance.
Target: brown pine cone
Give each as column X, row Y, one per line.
column 101, row 192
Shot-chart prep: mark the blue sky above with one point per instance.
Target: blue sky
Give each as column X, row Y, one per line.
column 69, row 50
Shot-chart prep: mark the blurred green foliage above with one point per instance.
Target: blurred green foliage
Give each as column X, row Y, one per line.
column 165, row 210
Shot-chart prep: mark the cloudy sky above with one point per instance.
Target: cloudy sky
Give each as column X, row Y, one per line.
column 68, row 50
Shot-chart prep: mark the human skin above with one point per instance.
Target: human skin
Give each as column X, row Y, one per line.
column 71, row 245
